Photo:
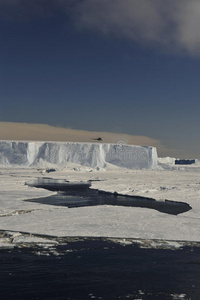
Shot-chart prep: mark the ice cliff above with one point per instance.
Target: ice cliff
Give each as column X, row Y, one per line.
column 21, row 153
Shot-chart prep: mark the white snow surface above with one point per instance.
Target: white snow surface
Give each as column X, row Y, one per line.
column 167, row 160
column 172, row 183
column 22, row 153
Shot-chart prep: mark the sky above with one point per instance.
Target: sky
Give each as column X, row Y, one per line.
column 127, row 67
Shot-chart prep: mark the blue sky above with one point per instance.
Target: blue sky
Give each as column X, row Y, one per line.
column 103, row 66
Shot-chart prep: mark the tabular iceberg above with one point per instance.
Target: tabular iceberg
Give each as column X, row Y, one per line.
column 21, row 153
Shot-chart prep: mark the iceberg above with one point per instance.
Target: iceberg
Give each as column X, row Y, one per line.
column 30, row 154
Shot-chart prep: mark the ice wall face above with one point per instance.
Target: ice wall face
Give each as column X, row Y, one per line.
column 86, row 154
column 13, row 153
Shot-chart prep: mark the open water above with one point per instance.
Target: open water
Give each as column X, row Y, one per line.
column 90, row 268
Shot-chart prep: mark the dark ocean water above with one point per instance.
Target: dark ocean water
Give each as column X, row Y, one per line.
column 99, row 269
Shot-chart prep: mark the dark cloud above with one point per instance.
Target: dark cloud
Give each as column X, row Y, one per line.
column 170, row 24
column 28, row 9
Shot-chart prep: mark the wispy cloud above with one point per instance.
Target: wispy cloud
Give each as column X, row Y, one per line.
column 168, row 24
column 171, row 24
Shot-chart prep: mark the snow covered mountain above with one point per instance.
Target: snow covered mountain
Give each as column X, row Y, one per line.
column 22, row 153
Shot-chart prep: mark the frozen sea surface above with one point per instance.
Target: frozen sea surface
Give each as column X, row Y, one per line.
column 175, row 184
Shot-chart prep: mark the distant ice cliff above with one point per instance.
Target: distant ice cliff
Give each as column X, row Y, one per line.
column 21, row 153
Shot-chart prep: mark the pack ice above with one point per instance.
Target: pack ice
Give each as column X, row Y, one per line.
column 22, row 153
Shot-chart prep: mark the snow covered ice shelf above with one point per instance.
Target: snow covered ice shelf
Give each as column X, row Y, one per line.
column 15, row 153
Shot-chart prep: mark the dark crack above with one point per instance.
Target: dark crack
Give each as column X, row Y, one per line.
column 79, row 194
